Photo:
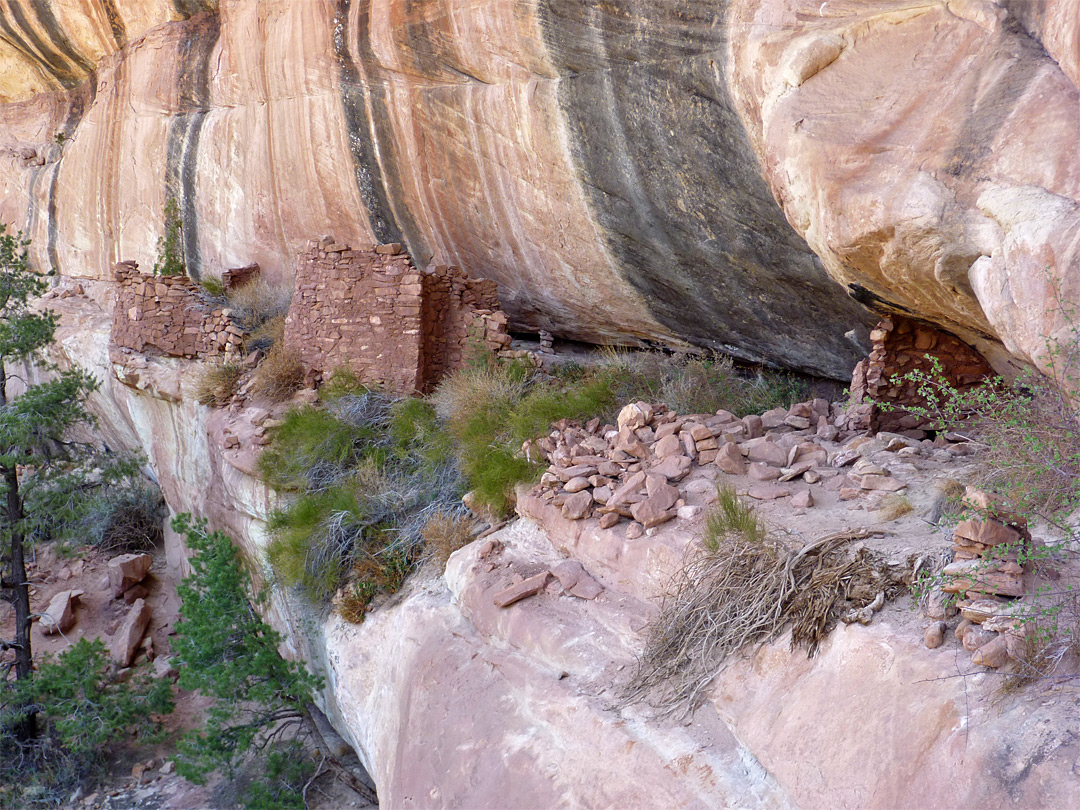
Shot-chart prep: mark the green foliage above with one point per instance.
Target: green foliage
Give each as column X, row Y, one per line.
column 83, row 714
column 170, row 260
column 1030, row 431
column 368, row 472
column 731, row 517
column 225, row 651
column 104, row 500
column 213, row 286
column 282, row 782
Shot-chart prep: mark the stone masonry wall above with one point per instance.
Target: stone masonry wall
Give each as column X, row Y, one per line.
column 900, row 346
column 372, row 311
column 168, row 315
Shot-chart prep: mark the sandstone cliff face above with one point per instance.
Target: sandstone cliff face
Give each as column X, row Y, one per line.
column 927, row 152
column 588, row 159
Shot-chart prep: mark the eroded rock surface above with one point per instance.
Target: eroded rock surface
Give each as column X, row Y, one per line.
column 926, row 151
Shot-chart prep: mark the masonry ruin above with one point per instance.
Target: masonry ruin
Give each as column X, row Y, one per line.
column 169, row 315
column 901, row 346
column 373, row 312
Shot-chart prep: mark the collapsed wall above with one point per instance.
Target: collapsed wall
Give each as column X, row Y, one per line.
column 370, row 310
column 169, row 315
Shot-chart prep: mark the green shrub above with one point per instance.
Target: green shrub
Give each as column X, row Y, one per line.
column 368, row 471
column 230, row 655
column 213, row 287
column 170, row 260
column 83, row 716
column 731, row 517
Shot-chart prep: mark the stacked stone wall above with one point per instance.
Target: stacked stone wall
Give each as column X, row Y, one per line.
column 373, row 312
column 168, row 315
column 901, row 346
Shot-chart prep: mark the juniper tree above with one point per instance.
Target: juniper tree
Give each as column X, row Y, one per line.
column 34, row 419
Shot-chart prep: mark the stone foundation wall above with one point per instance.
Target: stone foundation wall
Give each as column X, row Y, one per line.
column 168, row 315
column 373, row 312
column 901, row 346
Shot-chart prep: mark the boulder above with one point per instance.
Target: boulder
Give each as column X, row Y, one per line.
column 729, row 459
column 125, row 641
column 59, row 616
column 577, row 506
column 934, row 635
column 127, row 570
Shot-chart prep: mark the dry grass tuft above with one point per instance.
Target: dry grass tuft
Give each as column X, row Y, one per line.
column 257, row 302
column 892, row 508
column 279, row 375
column 266, row 335
column 444, row 534
column 745, row 592
column 217, row 384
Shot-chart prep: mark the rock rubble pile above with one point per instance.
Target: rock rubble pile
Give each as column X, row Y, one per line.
column 632, row 470
column 986, row 578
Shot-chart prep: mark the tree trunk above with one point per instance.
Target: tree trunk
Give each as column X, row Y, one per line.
column 19, row 586
column 24, row 660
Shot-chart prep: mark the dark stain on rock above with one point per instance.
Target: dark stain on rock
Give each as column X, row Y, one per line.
column 677, row 190
column 182, row 141
column 189, row 8
column 81, row 101
column 116, row 23
column 872, row 300
column 57, row 57
column 370, row 180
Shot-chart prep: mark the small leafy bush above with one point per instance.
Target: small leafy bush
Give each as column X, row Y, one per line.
column 1030, row 432
column 83, row 715
column 170, row 260
column 217, row 383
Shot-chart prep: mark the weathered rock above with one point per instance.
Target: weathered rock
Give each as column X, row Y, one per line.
column 577, row 506
column 518, row 591
column 729, row 459
column 127, row 570
column 609, row 519
column 934, row 636
column 879, row 483
column 975, row 637
column 673, row 467
column 803, row 499
column 768, row 492
column 125, row 641
column 994, row 653
column 657, row 508
column 759, row 471
column 576, row 484
column 987, row 532
column 59, row 616
column 668, row 446
column 766, row 452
